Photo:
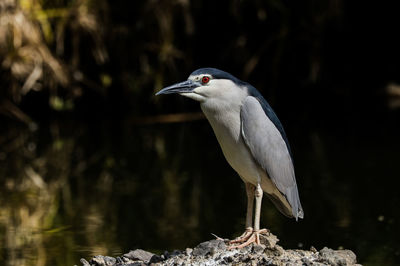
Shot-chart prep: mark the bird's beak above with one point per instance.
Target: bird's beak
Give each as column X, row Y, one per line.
column 181, row 87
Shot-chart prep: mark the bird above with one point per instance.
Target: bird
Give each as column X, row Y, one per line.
column 252, row 140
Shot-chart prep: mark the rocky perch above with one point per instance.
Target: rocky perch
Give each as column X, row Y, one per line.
column 216, row 252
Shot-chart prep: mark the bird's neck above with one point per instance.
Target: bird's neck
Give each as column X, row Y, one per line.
column 224, row 119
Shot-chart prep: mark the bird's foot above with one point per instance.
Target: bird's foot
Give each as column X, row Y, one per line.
column 243, row 237
column 247, row 238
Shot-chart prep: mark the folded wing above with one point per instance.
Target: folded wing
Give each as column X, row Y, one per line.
column 271, row 152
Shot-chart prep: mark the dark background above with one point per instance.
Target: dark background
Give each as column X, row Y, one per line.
column 90, row 164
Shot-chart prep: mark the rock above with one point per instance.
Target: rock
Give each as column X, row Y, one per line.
column 84, row 262
column 338, row 257
column 306, row 262
column 166, row 255
column 176, row 253
column 155, row 259
column 228, row 259
column 257, row 249
column 103, row 261
column 209, row 247
column 215, row 252
column 268, row 239
column 189, row 251
column 119, row 260
column 139, row 254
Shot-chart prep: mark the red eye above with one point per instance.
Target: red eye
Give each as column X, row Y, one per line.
column 205, row 79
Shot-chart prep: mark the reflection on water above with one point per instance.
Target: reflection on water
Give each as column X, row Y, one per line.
column 80, row 190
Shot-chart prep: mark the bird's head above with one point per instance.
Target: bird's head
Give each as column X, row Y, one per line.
column 204, row 84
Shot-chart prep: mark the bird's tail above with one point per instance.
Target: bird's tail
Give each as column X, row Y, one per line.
column 292, row 195
column 282, row 206
column 289, row 204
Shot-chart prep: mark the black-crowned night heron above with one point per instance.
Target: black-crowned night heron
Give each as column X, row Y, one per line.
column 252, row 140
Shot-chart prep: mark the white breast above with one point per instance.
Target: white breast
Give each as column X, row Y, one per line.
column 226, row 126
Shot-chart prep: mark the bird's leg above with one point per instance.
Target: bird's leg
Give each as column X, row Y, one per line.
column 258, row 195
column 257, row 231
column 254, row 236
column 249, row 215
column 250, row 203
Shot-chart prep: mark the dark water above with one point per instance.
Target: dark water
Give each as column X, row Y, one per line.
column 72, row 190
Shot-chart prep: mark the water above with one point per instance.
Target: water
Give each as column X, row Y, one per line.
column 76, row 189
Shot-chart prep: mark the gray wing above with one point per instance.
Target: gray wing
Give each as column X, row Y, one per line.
column 270, row 150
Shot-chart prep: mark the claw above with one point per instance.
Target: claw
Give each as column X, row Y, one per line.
column 249, row 237
column 242, row 238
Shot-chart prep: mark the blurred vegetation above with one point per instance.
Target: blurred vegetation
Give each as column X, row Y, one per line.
column 86, row 169
column 42, row 49
column 101, row 59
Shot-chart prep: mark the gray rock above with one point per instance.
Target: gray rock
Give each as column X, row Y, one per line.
column 139, row 254
column 156, row 259
column 209, row 248
column 257, row 249
column 84, row 262
column 338, row 257
column 119, row 260
column 165, row 255
column 102, row 261
column 228, row 259
column 268, row 239
column 189, row 251
column 215, row 252
column 175, row 253
column 306, row 262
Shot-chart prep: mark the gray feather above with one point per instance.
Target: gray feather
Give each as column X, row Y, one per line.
column 270, row 151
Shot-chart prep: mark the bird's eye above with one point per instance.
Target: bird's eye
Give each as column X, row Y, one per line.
column 205, row 79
